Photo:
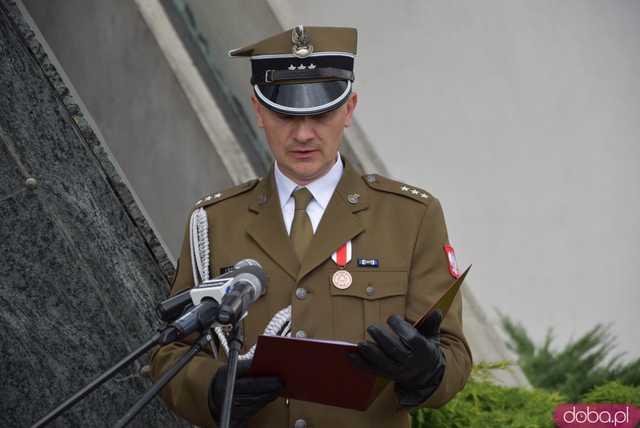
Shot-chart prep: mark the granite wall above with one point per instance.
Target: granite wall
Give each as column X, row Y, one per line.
column 136, row 100
column 78, row 277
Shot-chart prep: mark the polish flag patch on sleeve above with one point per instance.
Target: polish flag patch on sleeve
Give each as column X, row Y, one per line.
column 453, row 264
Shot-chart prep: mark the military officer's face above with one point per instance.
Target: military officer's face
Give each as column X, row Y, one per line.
column 305, row 147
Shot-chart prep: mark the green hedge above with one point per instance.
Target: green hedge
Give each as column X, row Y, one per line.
column 585, row 370
column 613, row 392
column 481, row 404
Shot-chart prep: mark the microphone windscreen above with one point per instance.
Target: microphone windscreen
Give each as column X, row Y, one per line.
column 246, row 262
column 258, row 273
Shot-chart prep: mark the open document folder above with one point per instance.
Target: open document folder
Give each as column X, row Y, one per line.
column 320, row 371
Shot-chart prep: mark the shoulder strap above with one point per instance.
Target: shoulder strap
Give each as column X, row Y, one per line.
column 226, row 194
column 384, row 184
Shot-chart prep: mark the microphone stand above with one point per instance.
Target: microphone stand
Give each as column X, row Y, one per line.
column 235, row 344
column 204, row 339
column 97, row 382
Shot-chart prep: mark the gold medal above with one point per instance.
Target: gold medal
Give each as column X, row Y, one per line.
column 342, row 279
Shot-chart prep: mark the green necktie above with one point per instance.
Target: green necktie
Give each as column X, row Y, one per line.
column 301, row 230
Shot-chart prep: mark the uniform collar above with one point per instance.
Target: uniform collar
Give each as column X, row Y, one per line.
column 322, row 188
column 339, row 223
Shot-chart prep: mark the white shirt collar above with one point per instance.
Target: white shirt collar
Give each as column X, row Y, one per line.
column 322, row 188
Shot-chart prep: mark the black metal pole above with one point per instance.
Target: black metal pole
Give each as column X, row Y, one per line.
column 96, row 383
column 164, row 379
column 235, row 344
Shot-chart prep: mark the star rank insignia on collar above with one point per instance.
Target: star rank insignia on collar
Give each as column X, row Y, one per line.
column 382, row 183
column 226, row 194
column 414, row 192
column 209, row 198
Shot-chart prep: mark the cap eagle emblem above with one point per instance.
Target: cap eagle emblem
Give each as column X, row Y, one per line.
column 302, row 46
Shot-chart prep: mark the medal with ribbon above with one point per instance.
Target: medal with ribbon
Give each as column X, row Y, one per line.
column 342, row 279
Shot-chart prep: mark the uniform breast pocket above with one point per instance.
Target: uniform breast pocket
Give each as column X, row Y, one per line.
column 372, row 297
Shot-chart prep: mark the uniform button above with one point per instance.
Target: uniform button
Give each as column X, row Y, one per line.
column 300, row 423
column 301, row 334
column 353, row 198
column 301, row 293
column 371, row 291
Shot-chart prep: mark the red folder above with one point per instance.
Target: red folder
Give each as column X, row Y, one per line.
column 314, row 370
column 320, row 371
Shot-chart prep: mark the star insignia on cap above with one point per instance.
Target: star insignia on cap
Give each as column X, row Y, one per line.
column 217, row 195
column 208, row 198
column 312, row 66
column 302, row 67
column 424, row 195
column 404, row 188
column 414, row 191
column 292, row 67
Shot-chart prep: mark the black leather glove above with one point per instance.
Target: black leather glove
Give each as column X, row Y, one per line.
column 250, row 394
column 411, row 358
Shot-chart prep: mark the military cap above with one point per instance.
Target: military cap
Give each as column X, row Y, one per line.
column 303, row 71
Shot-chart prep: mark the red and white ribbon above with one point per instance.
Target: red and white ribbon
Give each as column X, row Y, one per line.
column 343, row 255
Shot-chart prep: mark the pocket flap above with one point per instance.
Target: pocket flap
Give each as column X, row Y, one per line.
column 373, row 285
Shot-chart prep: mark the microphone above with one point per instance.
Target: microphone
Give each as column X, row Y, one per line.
column 171, row 308
column 246, row 288
column 240, row 288
column 217, row 288
column 198, row 318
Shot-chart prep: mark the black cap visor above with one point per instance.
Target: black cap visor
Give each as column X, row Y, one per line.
column 304, row 99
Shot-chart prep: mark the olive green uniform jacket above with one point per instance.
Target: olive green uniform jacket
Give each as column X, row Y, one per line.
column 401, row 226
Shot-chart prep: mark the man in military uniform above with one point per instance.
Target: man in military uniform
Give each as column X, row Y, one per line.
column 345, row 253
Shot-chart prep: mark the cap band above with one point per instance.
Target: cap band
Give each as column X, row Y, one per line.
column 262, row 69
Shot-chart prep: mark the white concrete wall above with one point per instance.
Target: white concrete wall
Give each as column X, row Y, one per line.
column 523, row 117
